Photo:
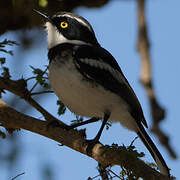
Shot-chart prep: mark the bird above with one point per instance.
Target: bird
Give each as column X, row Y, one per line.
column 89, row 81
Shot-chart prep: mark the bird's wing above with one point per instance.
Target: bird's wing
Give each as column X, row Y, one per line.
column 97, row 64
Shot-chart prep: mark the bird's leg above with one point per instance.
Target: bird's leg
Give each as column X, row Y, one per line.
column 105, row 119
column 94, row 141
column 66, row 127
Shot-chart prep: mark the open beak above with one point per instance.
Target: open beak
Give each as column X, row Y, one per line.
column 45, row 16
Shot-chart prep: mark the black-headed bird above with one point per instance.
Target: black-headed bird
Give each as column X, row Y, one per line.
column 89, row 81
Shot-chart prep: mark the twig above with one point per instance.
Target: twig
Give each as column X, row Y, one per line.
column 42, row 92
column 143, row 46
column 19, row 88
column 133, row 141
column 103, row 172
column 36, row 83
column 95, row 176
column 34, row 77
column 18, row 176
column 114, row 173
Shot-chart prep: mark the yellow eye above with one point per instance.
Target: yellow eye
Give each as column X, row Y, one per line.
column 64, row 24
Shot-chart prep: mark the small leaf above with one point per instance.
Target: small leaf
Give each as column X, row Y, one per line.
column 46, row 85
column 5, row 51
column 108, row 125
column 62, row 108
column 5, row 72
column 89, row 178
column 2, row 61
column 8, row 42
column 37, row 70
column 2, row 91
column 43, row 3
column 78, row 119
column 2, row 134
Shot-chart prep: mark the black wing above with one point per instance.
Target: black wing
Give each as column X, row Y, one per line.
column 99, row 65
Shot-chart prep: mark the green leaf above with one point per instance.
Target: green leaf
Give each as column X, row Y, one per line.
column 36, row 70
column 2, row 61
column 5, row 51
column 8, row 42
column 108, row 125
column 43, row 3
column 2, row 134
column 46, row 85
column 78, row 119
column 5, row 72
column 41, row 77
column 2, row 91
column 62, row 108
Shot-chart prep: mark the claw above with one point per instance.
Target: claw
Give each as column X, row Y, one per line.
column 91, row 143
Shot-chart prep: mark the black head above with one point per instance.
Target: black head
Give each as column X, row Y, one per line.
column 66, row 27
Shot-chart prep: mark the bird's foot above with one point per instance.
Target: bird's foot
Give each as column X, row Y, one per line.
column 90, row 145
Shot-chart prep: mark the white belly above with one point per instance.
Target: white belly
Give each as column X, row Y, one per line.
column 85, row 99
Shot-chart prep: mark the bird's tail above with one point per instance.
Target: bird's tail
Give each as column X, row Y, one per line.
column 153, row 150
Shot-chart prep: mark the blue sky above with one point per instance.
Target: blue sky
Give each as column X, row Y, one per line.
column 116, row 29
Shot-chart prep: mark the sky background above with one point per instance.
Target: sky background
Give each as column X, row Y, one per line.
column 115, row 26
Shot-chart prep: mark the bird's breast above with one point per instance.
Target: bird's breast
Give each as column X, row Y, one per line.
column 81, row 96
column 84, row 97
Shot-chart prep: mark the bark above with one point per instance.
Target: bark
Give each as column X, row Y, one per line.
column 76, row 139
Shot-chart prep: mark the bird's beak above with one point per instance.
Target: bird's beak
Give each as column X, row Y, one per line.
column 45, row 16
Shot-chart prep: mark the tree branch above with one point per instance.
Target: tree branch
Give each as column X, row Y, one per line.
column 19, row 88
column 143, row 46
column 75, row 139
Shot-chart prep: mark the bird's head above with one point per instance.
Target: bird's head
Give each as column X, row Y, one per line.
column 66, row 27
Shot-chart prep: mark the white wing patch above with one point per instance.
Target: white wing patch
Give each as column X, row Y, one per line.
column 102, row 65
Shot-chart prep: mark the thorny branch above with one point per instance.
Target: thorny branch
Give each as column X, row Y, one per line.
column 143, row 46
column 103, row 173
column 105, row 155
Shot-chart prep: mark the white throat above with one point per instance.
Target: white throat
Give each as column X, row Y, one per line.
column 54, row 37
